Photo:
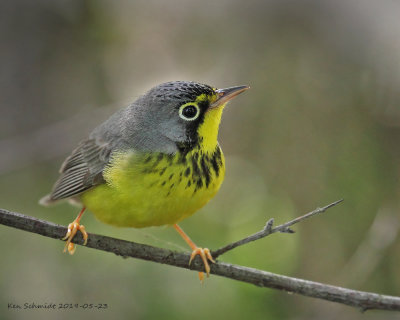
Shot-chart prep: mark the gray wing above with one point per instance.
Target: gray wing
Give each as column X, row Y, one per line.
column 82, row 170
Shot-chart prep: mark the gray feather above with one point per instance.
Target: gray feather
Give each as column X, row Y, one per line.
column 80, row 171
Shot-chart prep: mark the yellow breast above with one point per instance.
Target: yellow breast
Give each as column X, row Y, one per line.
column 155, row 189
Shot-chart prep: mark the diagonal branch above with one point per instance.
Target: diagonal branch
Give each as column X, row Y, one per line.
column 267, row 230
column 359, row 299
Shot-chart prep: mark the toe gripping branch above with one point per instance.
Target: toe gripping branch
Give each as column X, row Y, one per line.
column 73, row 228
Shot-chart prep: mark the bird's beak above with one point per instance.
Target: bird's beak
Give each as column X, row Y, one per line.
column 225, row 95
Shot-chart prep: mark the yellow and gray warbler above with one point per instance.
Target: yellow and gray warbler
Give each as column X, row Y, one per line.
column 152, row 163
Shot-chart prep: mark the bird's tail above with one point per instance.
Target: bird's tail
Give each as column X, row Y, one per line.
column 46, row 200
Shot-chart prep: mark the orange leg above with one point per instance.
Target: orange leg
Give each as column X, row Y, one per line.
column 73, row 228
column 204, row 253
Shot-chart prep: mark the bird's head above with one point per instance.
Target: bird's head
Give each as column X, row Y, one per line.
column 185, row 113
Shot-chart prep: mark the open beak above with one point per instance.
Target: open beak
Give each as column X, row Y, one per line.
column 225, row 95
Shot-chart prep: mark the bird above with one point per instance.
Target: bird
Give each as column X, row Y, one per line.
column 153, row 163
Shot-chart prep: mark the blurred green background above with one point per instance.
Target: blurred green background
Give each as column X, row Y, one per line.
column 321, row 122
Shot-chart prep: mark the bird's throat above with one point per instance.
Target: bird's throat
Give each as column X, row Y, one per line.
column 208, row 130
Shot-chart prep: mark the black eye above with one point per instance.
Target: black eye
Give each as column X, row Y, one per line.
column 189, row 112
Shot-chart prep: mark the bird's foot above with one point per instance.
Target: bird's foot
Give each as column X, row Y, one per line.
column 73, row 228
column 205, row 255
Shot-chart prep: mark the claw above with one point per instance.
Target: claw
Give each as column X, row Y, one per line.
column 73, row 228
column 205, row 255
column 71, row 248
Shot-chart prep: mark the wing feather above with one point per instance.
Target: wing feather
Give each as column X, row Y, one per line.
column 81, row 171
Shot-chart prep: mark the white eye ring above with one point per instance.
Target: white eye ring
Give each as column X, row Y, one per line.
column 186, row 117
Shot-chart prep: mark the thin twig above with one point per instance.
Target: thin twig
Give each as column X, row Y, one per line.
column 359, row 299
column 267, row 230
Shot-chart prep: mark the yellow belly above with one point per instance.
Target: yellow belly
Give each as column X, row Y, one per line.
column 155, row 189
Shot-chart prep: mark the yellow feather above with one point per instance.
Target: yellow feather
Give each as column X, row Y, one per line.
column 156, row 189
